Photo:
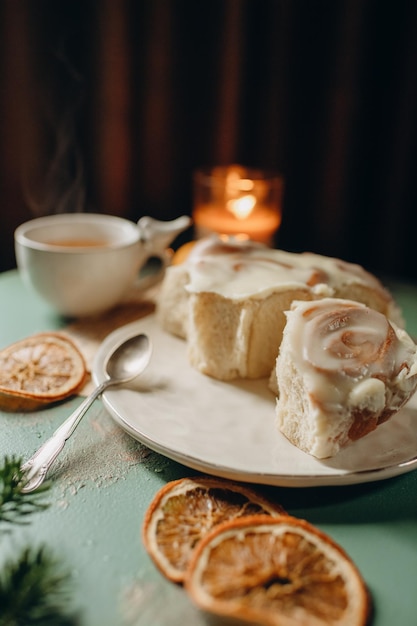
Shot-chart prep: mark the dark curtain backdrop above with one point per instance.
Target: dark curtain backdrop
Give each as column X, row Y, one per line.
column 109, row 106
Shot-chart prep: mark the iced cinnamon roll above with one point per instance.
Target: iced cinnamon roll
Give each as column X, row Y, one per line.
column 342, row 370
column 228, row 298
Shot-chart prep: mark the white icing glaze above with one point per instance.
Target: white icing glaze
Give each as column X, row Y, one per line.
column 241, row 269
column 348, row 355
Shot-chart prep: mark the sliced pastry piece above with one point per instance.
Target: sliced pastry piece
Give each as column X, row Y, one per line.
column 228, row 298
column 343, row 369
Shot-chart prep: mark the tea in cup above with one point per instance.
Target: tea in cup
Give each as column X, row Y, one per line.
column 84, row 263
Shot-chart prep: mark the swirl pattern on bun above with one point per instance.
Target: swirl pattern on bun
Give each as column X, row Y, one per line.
column 342, row 370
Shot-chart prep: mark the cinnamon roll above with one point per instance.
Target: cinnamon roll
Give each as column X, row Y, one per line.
column 228, row 298
column 342, row 369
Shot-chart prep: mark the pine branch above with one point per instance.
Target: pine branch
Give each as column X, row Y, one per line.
column 34, row 591
column 16, row 506
column 33, row 588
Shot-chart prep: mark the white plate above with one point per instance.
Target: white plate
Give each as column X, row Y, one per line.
column 228, row 429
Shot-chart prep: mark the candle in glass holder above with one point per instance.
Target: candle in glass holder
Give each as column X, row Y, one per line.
column 234, row 200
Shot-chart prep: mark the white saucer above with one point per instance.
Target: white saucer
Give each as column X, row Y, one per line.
column 228, row 429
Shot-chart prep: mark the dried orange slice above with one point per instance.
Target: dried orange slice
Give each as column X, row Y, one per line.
column 276, row 572
column 38, row 370
column 183, row 511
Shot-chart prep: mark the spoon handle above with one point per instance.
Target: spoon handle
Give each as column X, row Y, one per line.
column 37, row 467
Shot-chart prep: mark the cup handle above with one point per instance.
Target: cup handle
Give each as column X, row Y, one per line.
column 156, row 236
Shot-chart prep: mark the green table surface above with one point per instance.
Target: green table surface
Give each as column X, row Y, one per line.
column 104, row 481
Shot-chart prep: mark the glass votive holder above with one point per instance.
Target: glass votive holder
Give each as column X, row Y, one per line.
column 239, row 201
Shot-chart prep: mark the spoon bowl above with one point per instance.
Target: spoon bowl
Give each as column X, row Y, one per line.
column 124, row 364
column 128, row 359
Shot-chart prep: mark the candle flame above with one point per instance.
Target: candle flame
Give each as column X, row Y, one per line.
column 242, row 207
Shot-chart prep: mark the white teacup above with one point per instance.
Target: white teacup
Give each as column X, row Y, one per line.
column 84, row 263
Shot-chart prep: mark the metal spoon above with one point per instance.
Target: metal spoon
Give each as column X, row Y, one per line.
column 127, row 361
